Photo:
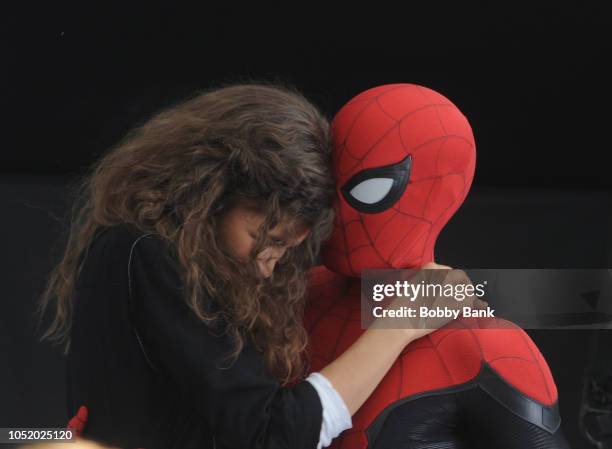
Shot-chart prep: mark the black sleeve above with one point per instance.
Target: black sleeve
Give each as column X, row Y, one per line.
column 242, row 404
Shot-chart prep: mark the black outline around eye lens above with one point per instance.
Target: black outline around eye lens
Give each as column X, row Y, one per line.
column 399, row 173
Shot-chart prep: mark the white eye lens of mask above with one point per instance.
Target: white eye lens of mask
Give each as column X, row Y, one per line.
column 372, row 190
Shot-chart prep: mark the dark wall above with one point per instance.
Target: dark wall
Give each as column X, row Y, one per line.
column 532, row 79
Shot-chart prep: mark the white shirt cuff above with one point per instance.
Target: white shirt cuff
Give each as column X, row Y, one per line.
column 336, row 416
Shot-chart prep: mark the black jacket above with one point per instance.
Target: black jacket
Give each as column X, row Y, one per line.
column 145, row 366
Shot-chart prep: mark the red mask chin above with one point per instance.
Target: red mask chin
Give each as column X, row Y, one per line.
column 404, row 159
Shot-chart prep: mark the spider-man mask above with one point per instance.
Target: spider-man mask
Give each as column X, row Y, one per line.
column 404, row 159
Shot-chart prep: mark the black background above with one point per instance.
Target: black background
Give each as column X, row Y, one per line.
column 532, row 78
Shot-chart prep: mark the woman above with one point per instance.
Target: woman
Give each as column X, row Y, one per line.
column 180, row 295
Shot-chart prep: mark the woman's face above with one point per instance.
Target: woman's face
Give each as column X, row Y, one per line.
column 238, row 231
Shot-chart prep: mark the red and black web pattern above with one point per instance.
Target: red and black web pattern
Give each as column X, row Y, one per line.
column 382, row 127
column 450, row 358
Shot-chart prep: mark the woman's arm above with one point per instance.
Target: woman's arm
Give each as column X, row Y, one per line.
column 356, row 373
column 242, row 405
column 358, row 370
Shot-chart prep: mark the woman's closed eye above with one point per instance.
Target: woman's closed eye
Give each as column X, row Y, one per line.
column 274, row 241
column 278, row 242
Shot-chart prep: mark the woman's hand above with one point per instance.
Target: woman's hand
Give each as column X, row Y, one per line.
column 459, row 276
column 418, row 326
column 435, row 266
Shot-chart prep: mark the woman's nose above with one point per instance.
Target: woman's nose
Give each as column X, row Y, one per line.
column 267, row 260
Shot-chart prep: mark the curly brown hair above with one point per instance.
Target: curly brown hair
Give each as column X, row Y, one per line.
column 259, row 145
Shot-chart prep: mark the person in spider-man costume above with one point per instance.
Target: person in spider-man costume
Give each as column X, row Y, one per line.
column 404, row 158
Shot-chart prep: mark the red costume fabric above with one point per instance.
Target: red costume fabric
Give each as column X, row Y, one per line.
column 404, row 159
